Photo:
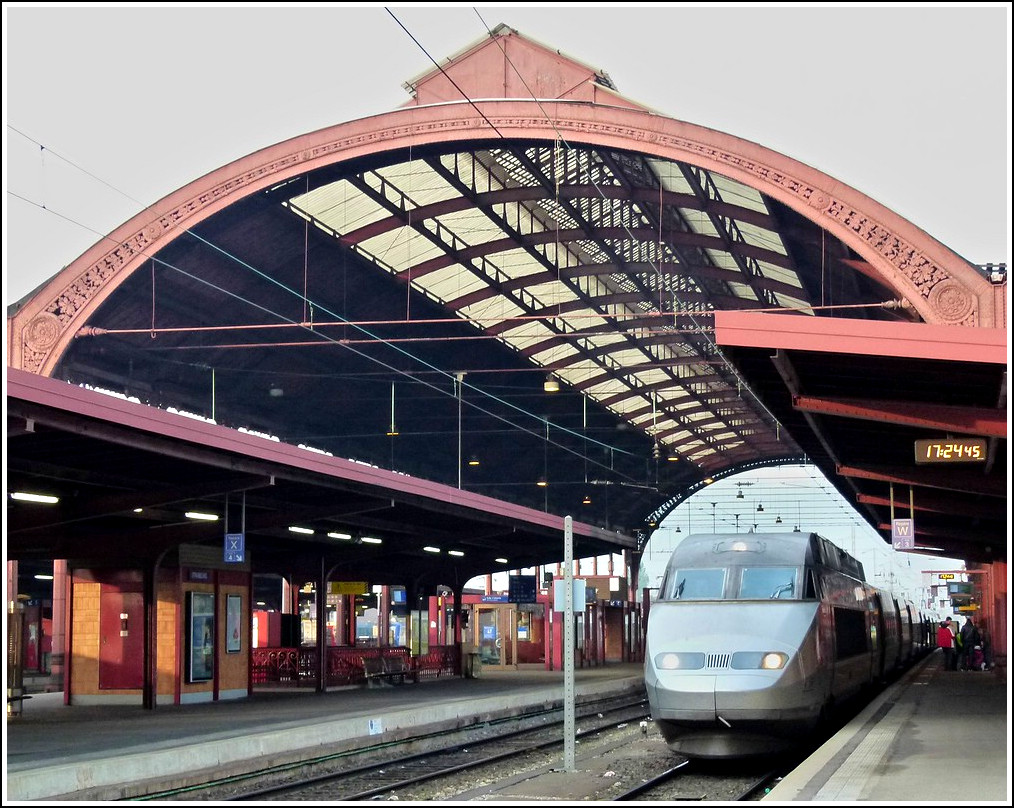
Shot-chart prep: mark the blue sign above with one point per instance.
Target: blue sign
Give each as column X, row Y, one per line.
column 902, row 534
column 234, row 552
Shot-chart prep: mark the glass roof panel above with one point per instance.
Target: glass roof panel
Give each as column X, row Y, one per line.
column 450, row 282
column 738, row 194
column 781, row 274
column 761, row 237
column 341, row 206
column 670, row 175
column 699, row 222
column 557, row 353
column 742, row 290
column 400, row 248
column 470, row 226
column 417, row 181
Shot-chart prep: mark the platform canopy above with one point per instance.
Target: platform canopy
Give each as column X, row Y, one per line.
column 513, row 297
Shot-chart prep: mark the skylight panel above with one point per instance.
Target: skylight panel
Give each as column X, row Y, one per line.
column 401, row 248
column 761, row 237
column 699, row 222
column 670, row 176
column 418, row 182
column 450, row 282
column 341, row 206
column 472, row 226
column 743, row 290
column 492, row 311
column 738, row 194
column 781, row 274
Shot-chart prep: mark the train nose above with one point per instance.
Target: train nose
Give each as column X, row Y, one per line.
column 690, row 698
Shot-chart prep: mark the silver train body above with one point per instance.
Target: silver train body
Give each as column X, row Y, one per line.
column 754, row 638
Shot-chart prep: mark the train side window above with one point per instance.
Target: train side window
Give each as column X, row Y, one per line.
column 812, row 588
column 771, row 583
column 698, row 584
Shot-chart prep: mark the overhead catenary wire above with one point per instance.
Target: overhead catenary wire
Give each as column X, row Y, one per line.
column 391, row 342
column 288, row 322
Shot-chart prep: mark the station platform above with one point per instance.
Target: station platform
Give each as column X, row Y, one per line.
column 933, row 736
column 110, row 752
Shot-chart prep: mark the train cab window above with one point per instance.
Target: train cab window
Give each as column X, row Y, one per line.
column 697, row 584
column 770, row 583
column 812, row 586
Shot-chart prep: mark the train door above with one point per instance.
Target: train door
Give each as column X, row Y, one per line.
column 494, row 633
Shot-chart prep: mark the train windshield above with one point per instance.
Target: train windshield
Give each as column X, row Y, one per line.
column 769, row 583
column 696, row 584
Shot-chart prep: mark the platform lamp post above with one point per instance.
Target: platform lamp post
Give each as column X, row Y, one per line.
column 459, row 378
column 714, row 524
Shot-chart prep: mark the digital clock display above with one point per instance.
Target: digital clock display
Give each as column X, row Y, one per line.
column 950, row 450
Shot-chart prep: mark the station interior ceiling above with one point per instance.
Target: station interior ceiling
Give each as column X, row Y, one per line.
column 413, row 312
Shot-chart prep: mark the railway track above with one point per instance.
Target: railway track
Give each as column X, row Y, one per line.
column 364, row 773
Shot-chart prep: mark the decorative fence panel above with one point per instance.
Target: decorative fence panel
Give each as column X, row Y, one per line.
column 297, row 667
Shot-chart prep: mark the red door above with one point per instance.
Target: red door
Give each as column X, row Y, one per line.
column 121, row 640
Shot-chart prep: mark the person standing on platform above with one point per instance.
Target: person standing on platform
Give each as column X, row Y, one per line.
column 970, row 638
column 945, row 639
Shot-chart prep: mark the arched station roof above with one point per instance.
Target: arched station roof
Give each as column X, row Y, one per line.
column 399, row 289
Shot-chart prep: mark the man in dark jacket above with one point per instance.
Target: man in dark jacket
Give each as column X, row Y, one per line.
column 969, row 639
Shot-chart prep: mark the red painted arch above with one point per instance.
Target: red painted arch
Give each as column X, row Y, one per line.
column 937, row 283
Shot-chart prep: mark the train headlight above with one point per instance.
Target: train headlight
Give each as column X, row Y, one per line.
column 671, row 661
column 759, row 660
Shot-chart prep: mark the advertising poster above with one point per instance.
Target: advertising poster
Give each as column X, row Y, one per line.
column 201, row 636
column 233, row 624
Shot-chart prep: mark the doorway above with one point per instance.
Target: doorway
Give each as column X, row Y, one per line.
column 494, row 634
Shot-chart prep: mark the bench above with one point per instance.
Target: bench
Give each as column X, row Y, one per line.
column 393, row 669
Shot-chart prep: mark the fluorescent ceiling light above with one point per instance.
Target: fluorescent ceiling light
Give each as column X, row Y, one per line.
column 26, row 497
column 429, row 549
column 501, row 561
column 371, row 540
column 43, row 577
column 455, row 552
column 342, row 536
column 208, row 517
column 297, row 529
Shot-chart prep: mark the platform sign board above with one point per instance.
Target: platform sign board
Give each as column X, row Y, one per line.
column 522, row 588
column 234, row 548
column 903, row 534
column 560, row 595
column 347, row 588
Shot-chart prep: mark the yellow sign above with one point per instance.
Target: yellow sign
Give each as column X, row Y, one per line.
column 347, row 588
column 973, row 607
column 946, row 576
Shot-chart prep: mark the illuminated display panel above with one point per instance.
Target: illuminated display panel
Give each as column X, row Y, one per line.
column 950, row 450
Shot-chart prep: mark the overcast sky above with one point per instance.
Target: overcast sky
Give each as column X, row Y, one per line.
column 909, row 104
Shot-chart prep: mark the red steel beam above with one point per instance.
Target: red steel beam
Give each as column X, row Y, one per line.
column 968, row 482
column 990, row 423
column 940, row 504
column 862, row 337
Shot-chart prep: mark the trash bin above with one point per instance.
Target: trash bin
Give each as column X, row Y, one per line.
column 15, row 698
column 473, row 665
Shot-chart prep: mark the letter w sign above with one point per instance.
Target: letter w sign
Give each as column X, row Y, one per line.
column 902, row 534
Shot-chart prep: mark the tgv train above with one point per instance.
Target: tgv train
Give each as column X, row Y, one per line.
column 754, row 638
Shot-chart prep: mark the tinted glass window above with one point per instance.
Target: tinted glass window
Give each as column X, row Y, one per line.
column 696, row 584
column 769, row 583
